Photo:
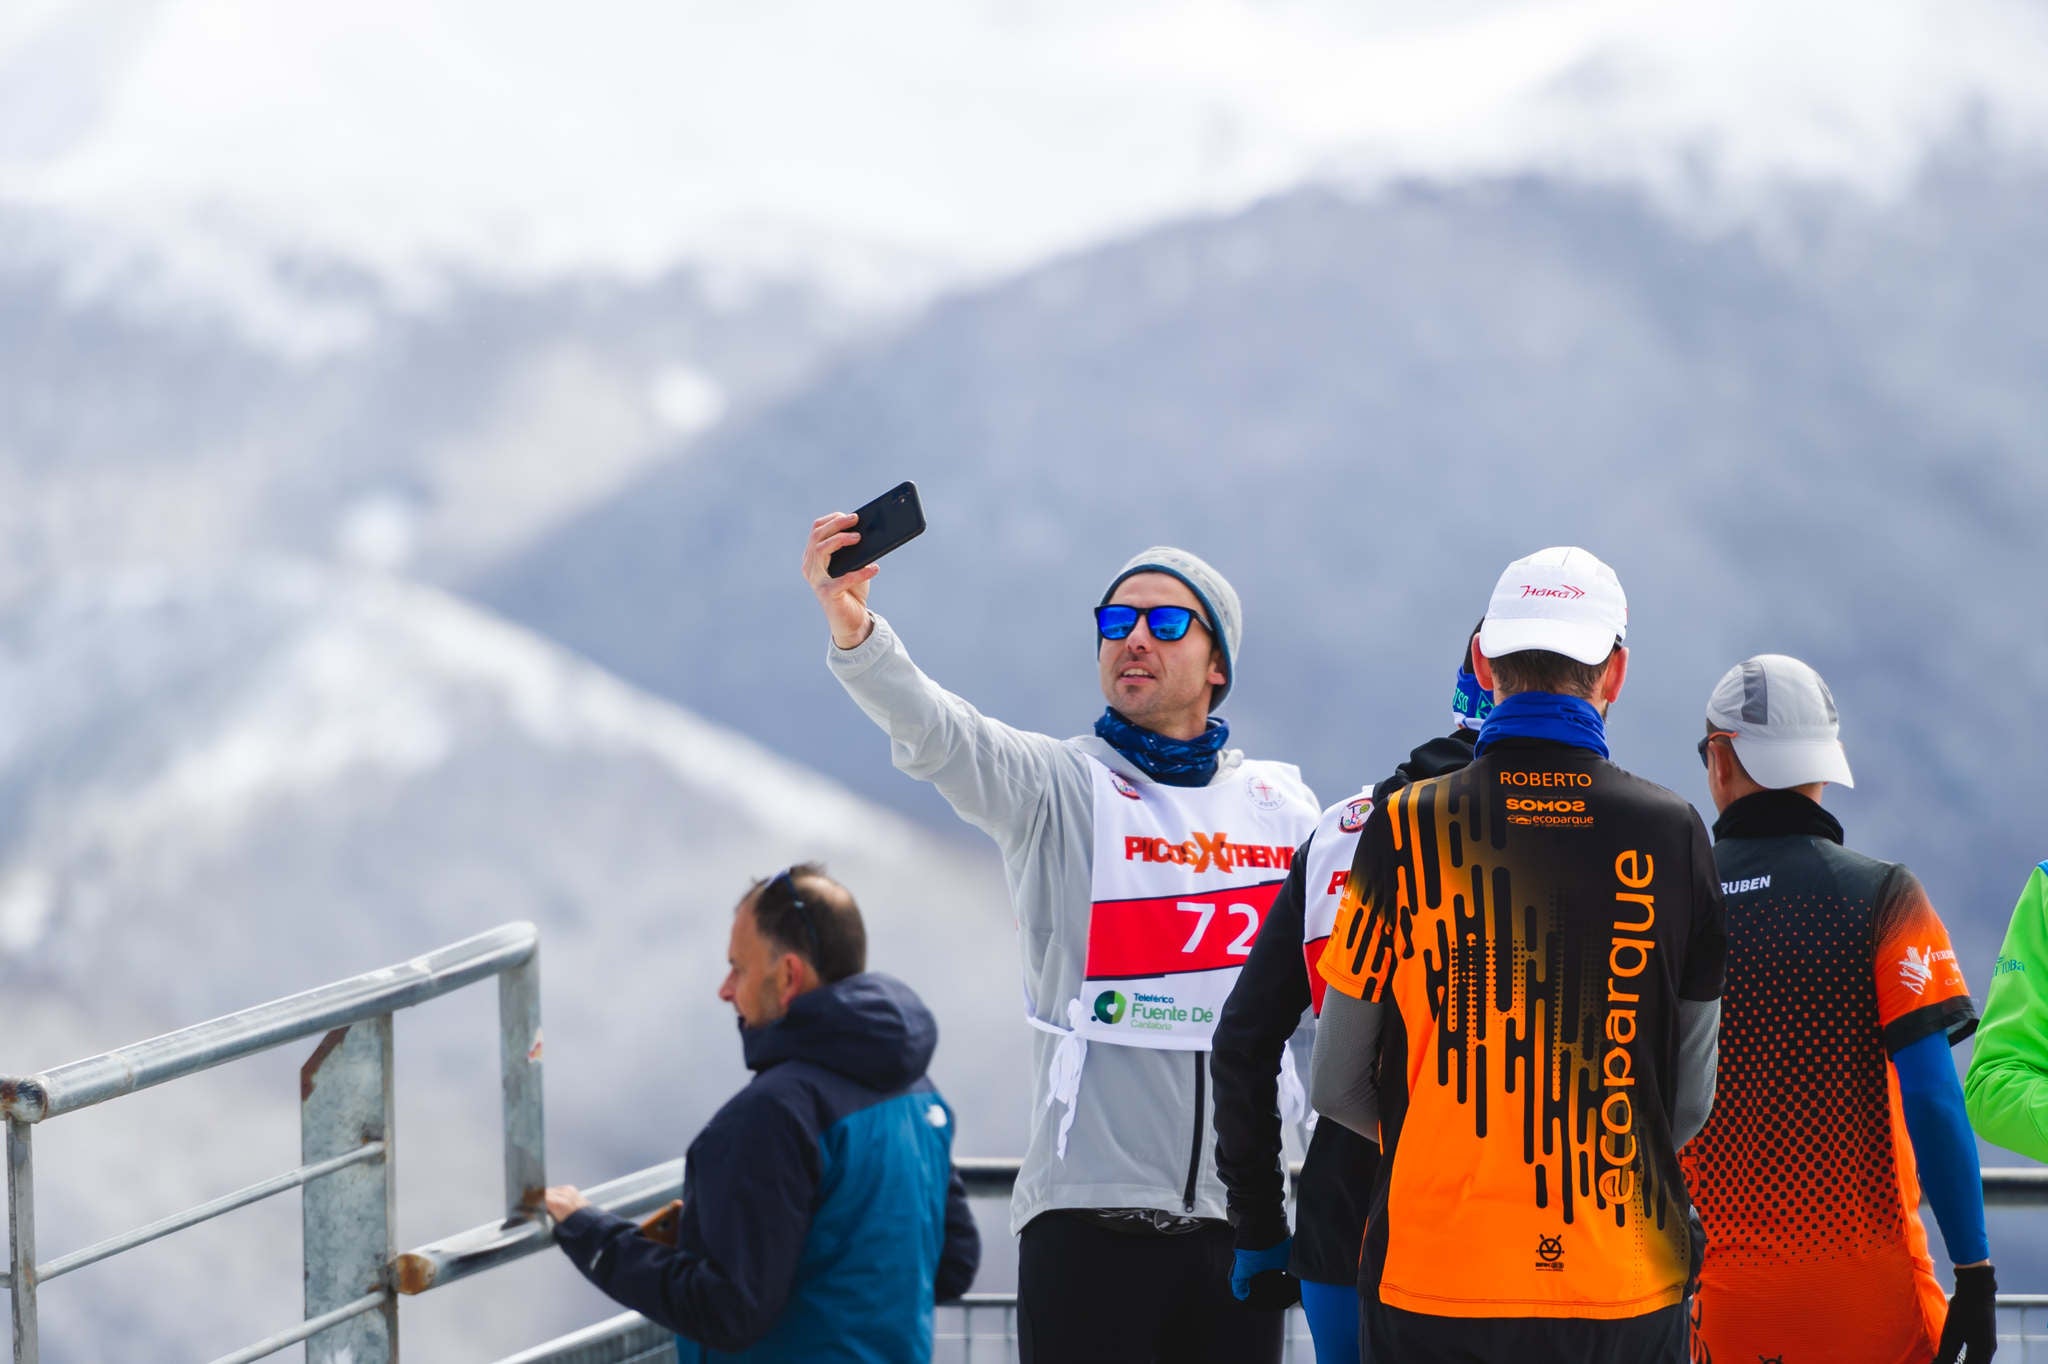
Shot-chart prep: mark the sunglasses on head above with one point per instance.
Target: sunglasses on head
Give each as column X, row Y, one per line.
column 1717, row 734
column 797, row 902
column 1167, row 623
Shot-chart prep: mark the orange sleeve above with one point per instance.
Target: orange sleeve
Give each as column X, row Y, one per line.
column 1349, row 964
column 1920, row 985
column 1337, row 964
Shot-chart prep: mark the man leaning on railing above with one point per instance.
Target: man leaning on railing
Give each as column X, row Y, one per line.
column 820, row 1218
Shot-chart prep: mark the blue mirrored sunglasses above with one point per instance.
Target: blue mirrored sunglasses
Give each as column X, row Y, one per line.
column 1167, row 623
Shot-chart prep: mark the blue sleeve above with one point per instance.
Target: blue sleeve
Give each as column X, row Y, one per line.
column 754, row 1172
column 1943, row 1146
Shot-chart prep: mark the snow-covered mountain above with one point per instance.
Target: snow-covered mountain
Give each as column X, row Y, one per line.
column 434, row 434
column 219, row 790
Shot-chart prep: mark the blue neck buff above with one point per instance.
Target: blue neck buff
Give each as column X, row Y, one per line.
column 1544, row 715
column 1170, row 762
column 1470, row 702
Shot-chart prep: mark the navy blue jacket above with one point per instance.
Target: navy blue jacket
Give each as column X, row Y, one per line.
column 821, row 1215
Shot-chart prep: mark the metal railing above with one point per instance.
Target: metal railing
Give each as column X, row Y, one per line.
column 346, row 1146
column 983, row 1326
column 982, row 1329
column 345, row 1138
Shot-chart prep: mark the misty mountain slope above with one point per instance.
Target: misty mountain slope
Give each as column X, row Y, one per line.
column 1360, row 410
column 438, row 426
column 223, row 790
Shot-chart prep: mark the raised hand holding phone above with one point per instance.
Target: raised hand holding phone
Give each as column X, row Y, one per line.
column 839, row 557
column 845, row 598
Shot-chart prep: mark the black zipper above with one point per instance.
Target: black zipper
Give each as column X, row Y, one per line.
column 1187, row 1202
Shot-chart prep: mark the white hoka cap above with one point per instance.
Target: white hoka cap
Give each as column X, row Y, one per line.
column 1563, row 600
column 1784, row 722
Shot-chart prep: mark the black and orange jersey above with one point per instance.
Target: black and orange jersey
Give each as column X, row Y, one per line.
column 1531, row 924
column 1804, row 1176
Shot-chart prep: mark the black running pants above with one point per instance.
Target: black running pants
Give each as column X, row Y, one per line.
column 1088, row 1294
column 1391, row 1334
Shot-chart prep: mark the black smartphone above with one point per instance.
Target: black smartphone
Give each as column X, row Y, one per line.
column 889, row 522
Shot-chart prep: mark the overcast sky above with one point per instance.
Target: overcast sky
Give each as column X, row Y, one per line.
column 970, row 135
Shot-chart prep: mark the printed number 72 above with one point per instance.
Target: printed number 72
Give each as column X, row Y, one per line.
column 1241, row 946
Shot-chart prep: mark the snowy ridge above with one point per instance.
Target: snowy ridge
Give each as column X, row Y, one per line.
column 380, row 677
column 435, row 441
column 360, row 674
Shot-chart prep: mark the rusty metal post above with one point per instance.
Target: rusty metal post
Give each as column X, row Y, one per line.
column 519, row 1050
column 345, row 1103
column 21, row 1241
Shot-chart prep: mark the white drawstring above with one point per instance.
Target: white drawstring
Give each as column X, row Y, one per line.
column 1294, row 1105
column 1063, row 1076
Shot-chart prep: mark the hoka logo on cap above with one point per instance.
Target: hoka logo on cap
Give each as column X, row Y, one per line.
column 1562, row 600
column 1109, row 1007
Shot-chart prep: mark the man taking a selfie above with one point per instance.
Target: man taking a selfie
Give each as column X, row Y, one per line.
column 1142, row 859
column 820, row 1216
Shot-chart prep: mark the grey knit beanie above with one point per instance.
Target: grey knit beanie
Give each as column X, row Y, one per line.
column 1211, row 589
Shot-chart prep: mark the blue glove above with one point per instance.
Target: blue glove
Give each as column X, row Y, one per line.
column 1260, row 1277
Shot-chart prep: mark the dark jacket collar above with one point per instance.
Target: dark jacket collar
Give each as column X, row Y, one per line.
column 1453, row 747
column 1445, row 753
column 870, row 1027
column 1533, row 743
column 1777, row 814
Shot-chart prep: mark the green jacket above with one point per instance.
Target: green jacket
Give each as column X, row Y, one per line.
column 2007, row 1088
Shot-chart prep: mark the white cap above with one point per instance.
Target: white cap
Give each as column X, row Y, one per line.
column 1784, row 722
column 1563, row 600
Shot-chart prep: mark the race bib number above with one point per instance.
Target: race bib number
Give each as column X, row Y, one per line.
column 1182, row 883
column 1163, row 967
